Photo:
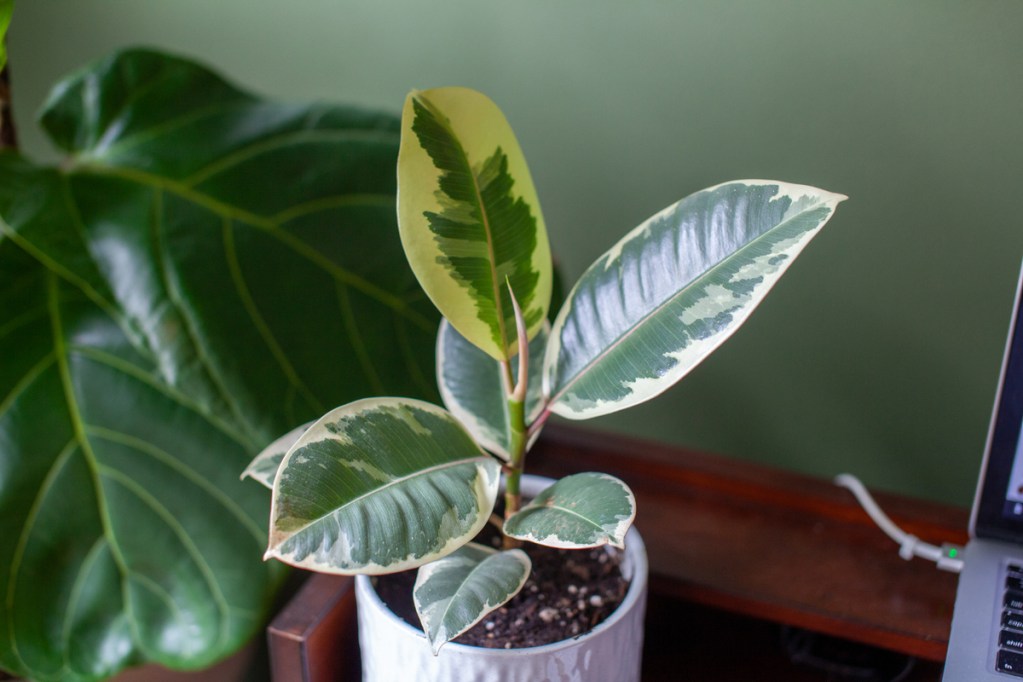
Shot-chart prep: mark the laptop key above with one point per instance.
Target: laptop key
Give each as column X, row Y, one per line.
column 1014, row 582
column 1014, row 600
column 1013, row 621
column 1010, row 640
column 1010, row 662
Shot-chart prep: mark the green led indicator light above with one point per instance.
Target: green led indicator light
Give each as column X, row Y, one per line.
column 952, row 552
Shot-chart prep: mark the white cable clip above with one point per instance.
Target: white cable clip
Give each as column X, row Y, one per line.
column 947, row 557
column 907, row 550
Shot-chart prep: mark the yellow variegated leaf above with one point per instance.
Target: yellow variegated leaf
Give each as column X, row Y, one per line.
column 469, row 217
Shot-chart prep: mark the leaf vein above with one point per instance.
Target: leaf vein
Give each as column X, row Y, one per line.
column 183, row 537
column 186, row 471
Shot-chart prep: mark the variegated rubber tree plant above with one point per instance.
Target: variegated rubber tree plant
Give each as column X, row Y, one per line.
column 388, row 484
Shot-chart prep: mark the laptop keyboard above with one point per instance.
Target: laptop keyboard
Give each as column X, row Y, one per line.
column 1010, row 640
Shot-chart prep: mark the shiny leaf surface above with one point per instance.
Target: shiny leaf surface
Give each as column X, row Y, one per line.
column 469, row 217
column 582, row 510
column 204, row 272
column 120, row 537
column 380, row 485
column 458, row 591
column 672, row 290
column 473, row 388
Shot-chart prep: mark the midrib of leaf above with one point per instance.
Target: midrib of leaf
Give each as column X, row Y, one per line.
column 147, row 448
column 71, row 278
column 585, row 369
column 183, row 537
column 19, row 550
column 78, row 427
column 235, row 269
column 283, row 140
column 268, row 225
column 462, row 587
column 189, row 326
column 495, row 284
column 575, row 514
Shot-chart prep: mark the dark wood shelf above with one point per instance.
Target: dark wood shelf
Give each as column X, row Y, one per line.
column 739, row 554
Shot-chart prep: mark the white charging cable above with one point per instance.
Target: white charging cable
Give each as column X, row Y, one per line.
column 948, row 557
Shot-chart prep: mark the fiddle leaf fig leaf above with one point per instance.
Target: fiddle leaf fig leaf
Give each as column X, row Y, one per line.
column 124, row 532
column 469, row 217
column 263, row 468
column 582, row 510
column 456, row 592
column 673, row 290
column 378, row 486
column 204, row 271
column 472, row 386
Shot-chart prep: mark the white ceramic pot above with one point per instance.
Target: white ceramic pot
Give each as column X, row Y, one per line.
column 393, row 650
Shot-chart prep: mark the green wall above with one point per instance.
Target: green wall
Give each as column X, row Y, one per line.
column 879, row 352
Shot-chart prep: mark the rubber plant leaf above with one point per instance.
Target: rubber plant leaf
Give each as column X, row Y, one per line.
column 263, row 468
column 472, row 386
column 380, row 485
column 456, row 592
column 469, row 217
column 222, row 269
column 582, row 510
column 672, row 290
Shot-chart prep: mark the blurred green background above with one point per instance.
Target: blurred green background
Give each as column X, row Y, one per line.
column 878, row 353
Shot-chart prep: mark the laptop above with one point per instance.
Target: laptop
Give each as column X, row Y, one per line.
column 986, row 642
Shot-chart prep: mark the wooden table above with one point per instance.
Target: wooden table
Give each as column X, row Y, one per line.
column 750, row 567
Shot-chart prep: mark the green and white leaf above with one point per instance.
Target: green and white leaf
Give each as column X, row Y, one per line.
column 263, row 468
column 675, row 288
column 378, row 486
column 582, row 510
column 469, row 217
column 472, row 385
column 458, row 591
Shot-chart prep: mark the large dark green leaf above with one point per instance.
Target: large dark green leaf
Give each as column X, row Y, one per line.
column 205, row 272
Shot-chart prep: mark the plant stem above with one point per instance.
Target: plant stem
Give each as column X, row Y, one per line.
column 8, row 138
column 516, row 411
column 513, row 472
